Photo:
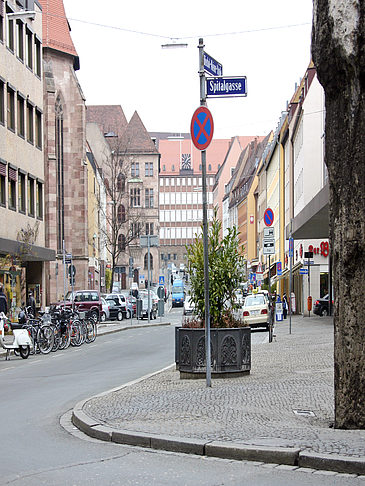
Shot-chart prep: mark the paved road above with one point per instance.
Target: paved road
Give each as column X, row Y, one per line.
column 37, row 393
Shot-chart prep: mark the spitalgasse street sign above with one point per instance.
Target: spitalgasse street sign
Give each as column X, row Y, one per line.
column 227, row 87
column 202, row 128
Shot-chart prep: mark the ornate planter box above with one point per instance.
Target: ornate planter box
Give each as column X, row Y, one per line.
column 230, row 351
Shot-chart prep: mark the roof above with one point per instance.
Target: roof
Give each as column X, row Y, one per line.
column 110, row 118
column 56, row 29
column 135, row 138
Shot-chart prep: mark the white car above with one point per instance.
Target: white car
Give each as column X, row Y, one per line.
column 256, row 311
column 188, row 306
column 104, row 316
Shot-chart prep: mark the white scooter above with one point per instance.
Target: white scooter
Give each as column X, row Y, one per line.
column 21, row 342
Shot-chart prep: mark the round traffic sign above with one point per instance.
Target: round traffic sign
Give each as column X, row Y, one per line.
column 201, row 128
column 269, row 217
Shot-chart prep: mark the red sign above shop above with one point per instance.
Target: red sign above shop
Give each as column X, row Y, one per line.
column 323, row 249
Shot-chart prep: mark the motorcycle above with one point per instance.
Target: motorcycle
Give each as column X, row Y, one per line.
column 21, row 341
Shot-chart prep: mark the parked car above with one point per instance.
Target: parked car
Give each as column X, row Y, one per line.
column 321, row 306
column 105, row 314
column 119, row 301
column 153, row 296
column 256, row 311
column 129, row 306
column 153, row 307
column 84, row 301
column 188, row 306
column 115, row 309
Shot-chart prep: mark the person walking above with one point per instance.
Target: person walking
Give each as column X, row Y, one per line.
column 285, row 305
column 3, row 301
column 31, row 303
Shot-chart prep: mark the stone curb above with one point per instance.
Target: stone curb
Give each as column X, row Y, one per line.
column 137, row 326
column 287, row 456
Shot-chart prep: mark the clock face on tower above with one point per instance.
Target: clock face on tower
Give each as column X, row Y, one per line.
column 185, row 161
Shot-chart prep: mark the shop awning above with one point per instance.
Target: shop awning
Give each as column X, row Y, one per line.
column 26, row 252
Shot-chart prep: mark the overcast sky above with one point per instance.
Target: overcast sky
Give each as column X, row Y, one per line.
column 126, row 65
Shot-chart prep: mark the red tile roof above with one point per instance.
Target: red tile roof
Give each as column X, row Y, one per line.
column 56, row 29
column 136, row 139
column 110, row 118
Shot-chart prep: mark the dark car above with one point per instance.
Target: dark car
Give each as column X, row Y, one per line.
column 321, row 306
column 84, row 301
column 119, row 305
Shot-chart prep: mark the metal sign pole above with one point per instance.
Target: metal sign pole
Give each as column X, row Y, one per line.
column 148, row 279
column 291, row 251
column 64, row 273
column 205, row 224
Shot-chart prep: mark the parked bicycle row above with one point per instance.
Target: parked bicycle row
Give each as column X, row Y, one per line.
column 57, row 329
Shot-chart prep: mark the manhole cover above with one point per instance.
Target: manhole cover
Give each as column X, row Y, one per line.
column 304, row 413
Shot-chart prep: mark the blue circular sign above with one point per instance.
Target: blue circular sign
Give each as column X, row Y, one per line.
column 269, row 217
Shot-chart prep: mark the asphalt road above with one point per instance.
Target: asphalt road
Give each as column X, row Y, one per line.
column 36, row 395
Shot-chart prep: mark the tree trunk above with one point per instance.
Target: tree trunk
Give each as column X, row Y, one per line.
column 339, row 54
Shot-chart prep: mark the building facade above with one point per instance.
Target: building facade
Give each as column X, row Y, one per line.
column 23, row 246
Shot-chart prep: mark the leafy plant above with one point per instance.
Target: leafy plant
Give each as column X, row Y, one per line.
column 226, row 265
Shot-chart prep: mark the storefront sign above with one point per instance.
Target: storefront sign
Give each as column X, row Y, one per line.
column 323, row 249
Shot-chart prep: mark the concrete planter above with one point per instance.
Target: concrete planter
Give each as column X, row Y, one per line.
column 230, row 351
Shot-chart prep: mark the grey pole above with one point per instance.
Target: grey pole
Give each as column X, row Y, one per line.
column 291, row 251
column 148, row 278
column 205, row 224
column 64, row 274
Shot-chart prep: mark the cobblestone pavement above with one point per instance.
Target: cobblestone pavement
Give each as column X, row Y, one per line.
column 294, row 373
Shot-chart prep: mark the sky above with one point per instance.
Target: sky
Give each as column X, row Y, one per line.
column 122, row 62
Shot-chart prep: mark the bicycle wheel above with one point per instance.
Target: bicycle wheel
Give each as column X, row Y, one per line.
column 76, row 334
column 65, row 337
column 83, row 331
column 56, row 342
column 45, row 339
column 91, row 331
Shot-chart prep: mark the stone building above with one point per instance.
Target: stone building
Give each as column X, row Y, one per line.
column 66, row 170
column 23, row 246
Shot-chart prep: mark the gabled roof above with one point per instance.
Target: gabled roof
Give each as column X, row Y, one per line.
column 110, row 118
column 56, row 29
column 135, row 138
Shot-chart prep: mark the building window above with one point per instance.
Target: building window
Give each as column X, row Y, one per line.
column 39, row 200
column 20, row 28
column 2, row 184
column 21, row 118
column 210, row 167
column 10, row 32
column 21, row 192
column 135, row 194
column 146, row 262
column 135, row 169
column 38, row 128
column 12, row 187
column 121, row 182
column 38, row 57
column 149, row 228
column 173, row 168
column 11, row 109
column 30, row 123
column 121, row 214
column 175, row 256
column 149, row 202
column 164, row 168
column 30, row 196
column 1, row 21
column 121, row 243
column 135, row 230
column 2, row 102
column 29, row 37
column 148, row 167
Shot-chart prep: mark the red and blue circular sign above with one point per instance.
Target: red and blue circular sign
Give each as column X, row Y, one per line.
column 269, row 217
column 201, row 128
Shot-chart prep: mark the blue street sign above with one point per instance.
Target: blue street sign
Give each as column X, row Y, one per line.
column 228, row 87
column 161, row 280
column 212, row 66
column 303, row 271
column 291, row 247
column 279, row 270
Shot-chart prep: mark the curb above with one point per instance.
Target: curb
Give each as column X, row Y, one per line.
column 137, row 326
column 289, row 456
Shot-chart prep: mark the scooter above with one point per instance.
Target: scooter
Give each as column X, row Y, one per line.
column 21, row 342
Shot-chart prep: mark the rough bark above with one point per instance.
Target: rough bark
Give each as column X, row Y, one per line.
column 338, row 49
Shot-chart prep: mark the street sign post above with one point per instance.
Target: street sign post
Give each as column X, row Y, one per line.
column 202, row 128
column 303, row 271
column 212, row 66
column 279, row 269
column 161, row 280
column 291, row 247
column 227, row 87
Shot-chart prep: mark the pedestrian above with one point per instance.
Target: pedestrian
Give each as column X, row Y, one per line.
column 3, row 301
column 31, row 303
column 285, row 305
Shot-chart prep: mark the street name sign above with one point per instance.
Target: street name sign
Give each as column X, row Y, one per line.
column 212, row 66
column 201, row 128
column 227, row 87
column 303, row 271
